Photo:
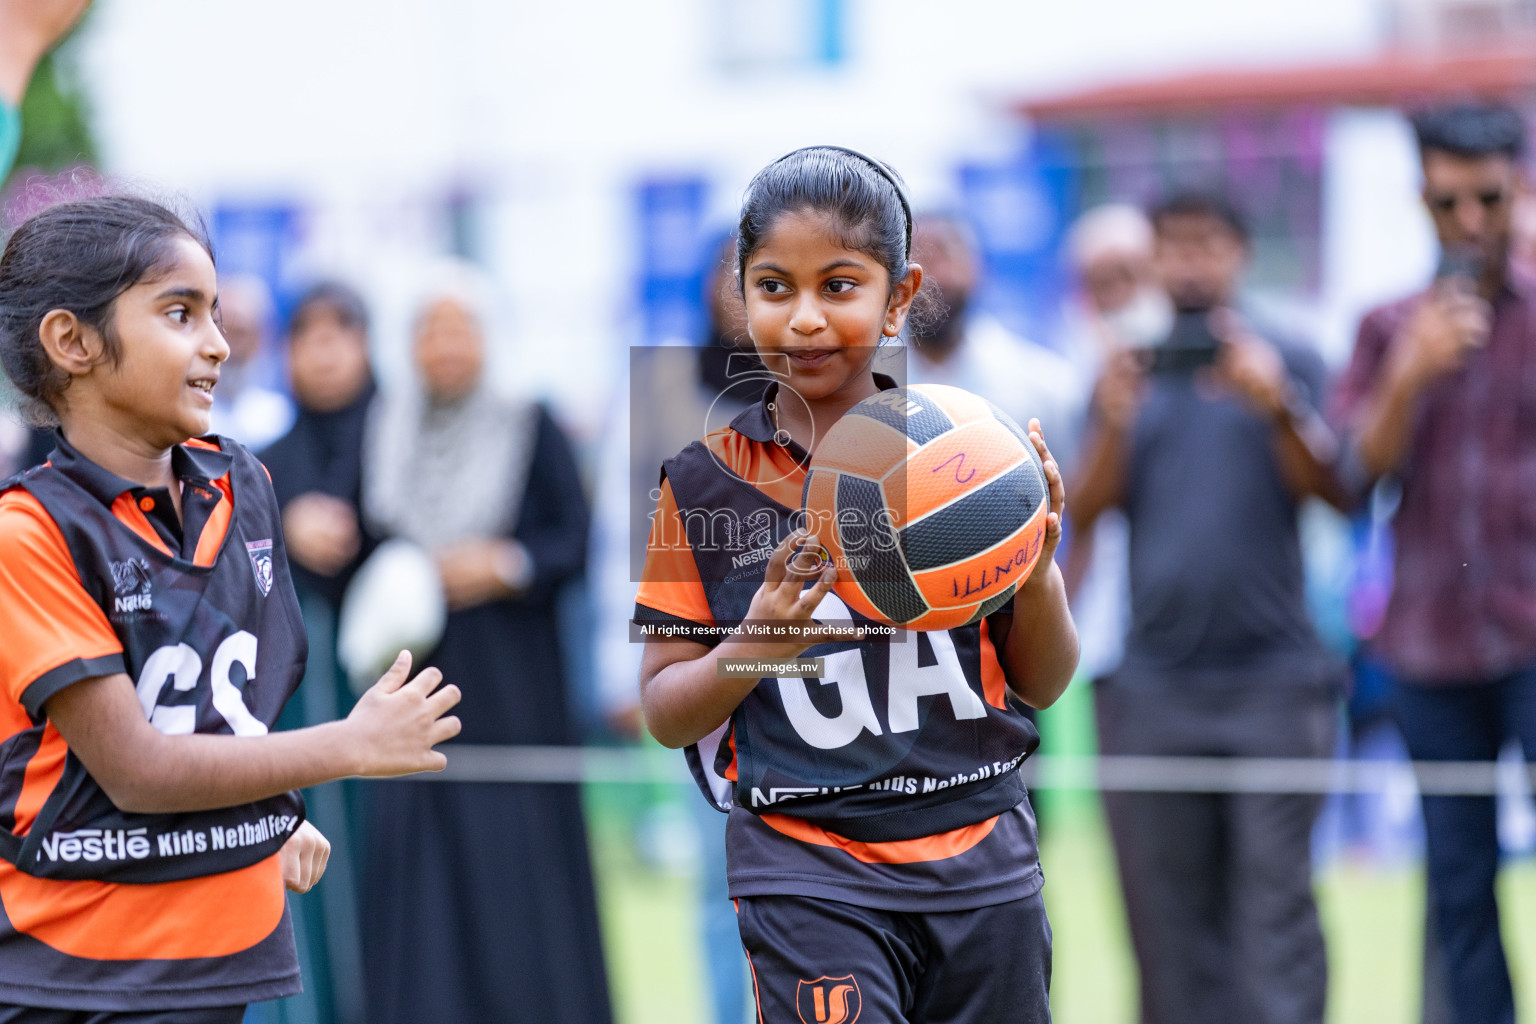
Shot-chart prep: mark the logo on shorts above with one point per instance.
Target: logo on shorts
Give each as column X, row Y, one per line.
column 131, row 585
column 261, row 563
column 829, row 1000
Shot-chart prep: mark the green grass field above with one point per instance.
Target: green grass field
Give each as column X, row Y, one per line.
column 1372, row 917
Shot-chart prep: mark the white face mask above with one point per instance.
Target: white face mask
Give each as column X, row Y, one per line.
column 1145, row 320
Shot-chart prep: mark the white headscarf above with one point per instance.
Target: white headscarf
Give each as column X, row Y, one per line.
column 1111, row 228
column 441, row 472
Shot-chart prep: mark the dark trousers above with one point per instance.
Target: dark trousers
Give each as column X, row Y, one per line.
column 1218, row 886
column 817, row 961
column 1468, row 722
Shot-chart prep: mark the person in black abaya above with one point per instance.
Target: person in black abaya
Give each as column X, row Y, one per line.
column 479, row 901
column 317, row 466
column 316, row 473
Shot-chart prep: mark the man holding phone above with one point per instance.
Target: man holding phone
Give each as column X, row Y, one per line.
column 1441, row 395
column 1209, row 441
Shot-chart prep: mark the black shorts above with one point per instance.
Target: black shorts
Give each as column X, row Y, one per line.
column 10, row 1014
column 816, row 961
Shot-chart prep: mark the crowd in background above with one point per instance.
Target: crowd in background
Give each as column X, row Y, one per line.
column 1194, row 434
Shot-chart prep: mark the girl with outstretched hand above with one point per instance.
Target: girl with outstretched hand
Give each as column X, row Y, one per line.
column 148, row 818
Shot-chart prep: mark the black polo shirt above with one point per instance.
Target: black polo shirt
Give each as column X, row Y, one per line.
column 196, row 468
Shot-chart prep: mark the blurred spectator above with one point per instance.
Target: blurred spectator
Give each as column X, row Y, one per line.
column 21, row 446
column 1522, row 249
column 686, row 386
column 1208, row 442
column 316, row 473
column 28, row 28
column 317, row 466
column 246, row 406
column 966, row 348
column 478, row 898
column 1117, row 306
column 1439, row 396
column 14, row 440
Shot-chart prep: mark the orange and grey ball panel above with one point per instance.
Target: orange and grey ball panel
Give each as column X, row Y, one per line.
column 974, row 523
column 947, row 469
column 873, row 551
column 980, row 576
column 864, row 447
column 909, row 413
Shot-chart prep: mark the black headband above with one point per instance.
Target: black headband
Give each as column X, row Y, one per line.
column 880, row 169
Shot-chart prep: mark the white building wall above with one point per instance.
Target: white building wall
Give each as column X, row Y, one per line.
column 369, row 113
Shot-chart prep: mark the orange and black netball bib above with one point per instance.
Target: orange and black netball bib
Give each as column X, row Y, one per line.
column 212, row 648
column 899, row 738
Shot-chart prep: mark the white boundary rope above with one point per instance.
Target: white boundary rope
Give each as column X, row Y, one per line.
column 649, row 766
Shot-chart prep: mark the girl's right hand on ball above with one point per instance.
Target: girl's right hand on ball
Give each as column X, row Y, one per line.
column 784, row 600
column 397, row 723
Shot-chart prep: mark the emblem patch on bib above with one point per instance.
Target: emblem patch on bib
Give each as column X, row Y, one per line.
column 261, row 563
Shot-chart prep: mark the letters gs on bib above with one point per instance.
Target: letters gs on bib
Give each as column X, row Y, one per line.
column 170, row 682
column 208, row 652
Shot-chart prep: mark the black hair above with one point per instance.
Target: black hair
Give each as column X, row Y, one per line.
column 1200, row 203
column 78, row 256
column 1471, row 130
column 341, row 301
column 862, row 196
column 716, row 253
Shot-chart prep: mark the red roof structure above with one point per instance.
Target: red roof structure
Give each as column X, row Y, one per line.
column 1506, row 72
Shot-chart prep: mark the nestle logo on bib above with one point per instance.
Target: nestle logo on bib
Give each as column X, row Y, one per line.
column 261, row 563
column 93, row 844
column 131, row 585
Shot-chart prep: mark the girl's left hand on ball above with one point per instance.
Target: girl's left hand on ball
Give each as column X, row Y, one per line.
column 303, row 858
column 1058, row 503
